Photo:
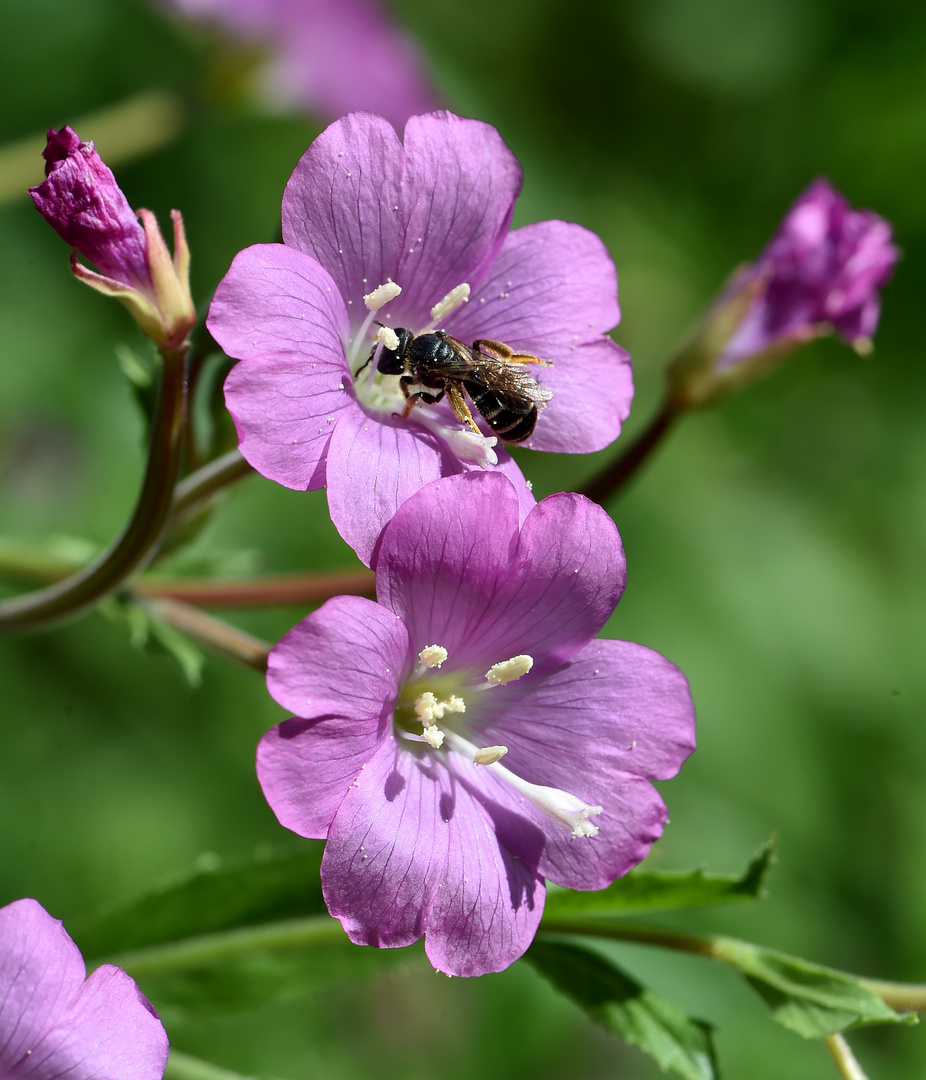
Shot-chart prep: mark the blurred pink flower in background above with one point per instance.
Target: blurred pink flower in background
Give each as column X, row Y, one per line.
column 328, row 56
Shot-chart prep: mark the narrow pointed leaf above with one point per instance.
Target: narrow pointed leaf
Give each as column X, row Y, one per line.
column 812, row 1000
column 282, row 884
column 655, row 890
column 623, row 1007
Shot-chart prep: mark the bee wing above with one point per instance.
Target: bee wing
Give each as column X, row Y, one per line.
column 509, row 379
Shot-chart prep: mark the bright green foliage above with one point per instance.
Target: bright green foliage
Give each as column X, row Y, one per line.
column 623, row 1007
column 644, row 890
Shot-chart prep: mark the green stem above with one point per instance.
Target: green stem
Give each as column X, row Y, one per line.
column 711, row 946
column 183, row 1067
column 846, row 1062
column 201, row 485
column 139, row 539
column 227, row 641
column 220, row 948
column 267, row 591
column 618, row 473
column 902, row 997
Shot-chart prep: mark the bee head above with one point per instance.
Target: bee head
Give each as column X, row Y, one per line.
column 392, row 361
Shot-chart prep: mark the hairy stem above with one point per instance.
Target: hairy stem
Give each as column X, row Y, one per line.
column 618, row 473
column 139, row 540
column 218, row 636
column 846, row 1063
column 902, row 997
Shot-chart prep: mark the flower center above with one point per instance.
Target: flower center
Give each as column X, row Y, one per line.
column 431, row 710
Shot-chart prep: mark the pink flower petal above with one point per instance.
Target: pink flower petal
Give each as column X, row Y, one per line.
column 278, row 312
column 411, row 852
column 454, row 568
column 54, row 1025
column 380, row 463
column 343, row 205
column 461, row 183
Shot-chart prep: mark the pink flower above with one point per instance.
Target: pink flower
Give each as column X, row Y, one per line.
column 412, row 235
column 328, row 56
column 465, row 736
column 56, row 1023
column 823, row 268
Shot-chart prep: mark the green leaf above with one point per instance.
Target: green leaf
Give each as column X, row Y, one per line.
column 812, row 1000
column 271, row 885
column 263, row 897
column 623, row 1007
column 648, row 891
column 148, row 632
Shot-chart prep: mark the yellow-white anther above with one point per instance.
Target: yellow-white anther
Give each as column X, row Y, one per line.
column 424, row 707
column 428, row 708
column 381, row 295
column 387, row 337
column 450, row 303
column 509, row 670
column 433, row 736
column 432, row 656
column 488, row 755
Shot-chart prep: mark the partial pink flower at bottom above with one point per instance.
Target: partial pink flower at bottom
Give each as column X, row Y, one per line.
column 56, row 1023
column 464, row 737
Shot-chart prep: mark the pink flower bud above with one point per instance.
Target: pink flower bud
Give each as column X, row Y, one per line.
column 821, row 273
column 82, row 202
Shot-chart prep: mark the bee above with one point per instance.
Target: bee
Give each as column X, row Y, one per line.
column 434, row 364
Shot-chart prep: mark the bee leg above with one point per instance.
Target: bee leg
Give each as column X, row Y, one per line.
column 461, row 409
column 367, row 361
column 500, row 351
column 413, row 391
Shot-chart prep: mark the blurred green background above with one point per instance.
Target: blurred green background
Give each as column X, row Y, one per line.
column 775, row 546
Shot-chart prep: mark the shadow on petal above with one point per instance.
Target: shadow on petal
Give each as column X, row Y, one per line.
column 394, row 786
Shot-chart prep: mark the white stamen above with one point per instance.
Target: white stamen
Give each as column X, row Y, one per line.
column 562, row 806
column 509, row 670
column 381, row 295
column 433, row 736
column 488, row 755
column 451, row 302
column 387, row 337
column 432, row 656
column 467, row 445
